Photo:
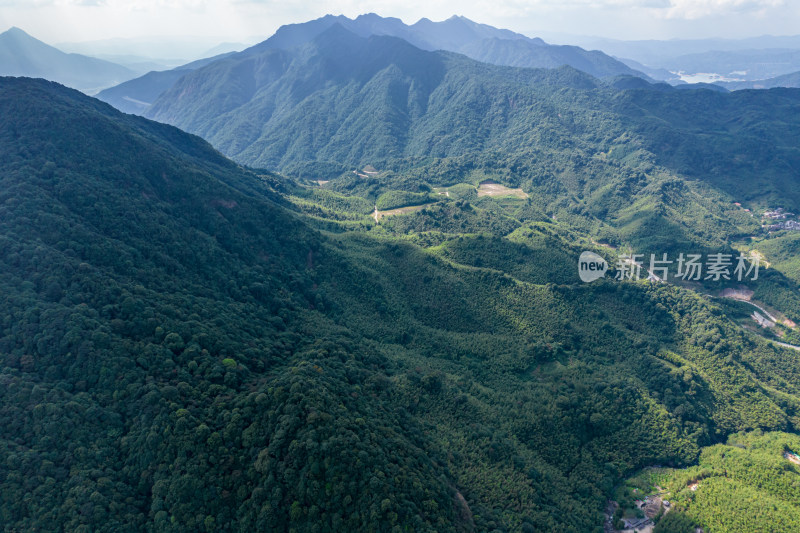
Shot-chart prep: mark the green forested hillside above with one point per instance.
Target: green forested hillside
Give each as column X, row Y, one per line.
column 186, row 345
column 737, row 142
column 749, row 483
column 341, row 99
column 648, row 168
column 160, row 365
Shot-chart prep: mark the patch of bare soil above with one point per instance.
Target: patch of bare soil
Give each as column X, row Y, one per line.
column 603, row 244
column 652, row 506
column 377, row 215
column 492, row 188
column 737, row 294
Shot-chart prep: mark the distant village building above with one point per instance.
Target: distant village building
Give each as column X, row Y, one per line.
column 778, row 214
column 791, row 225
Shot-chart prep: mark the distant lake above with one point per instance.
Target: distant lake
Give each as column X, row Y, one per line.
column 706, row 77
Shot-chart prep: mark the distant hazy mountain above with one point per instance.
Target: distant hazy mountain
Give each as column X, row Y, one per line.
column 739, row 64
column 166, row 49
column 142, row 64
column 787, row 80
column 456, row 34
column 225, row 48
column 23, row 55
column 661, row 74
column 459, row 34
column 751, row 59
column 341, row 98
column 656, row 53
column 136, row 95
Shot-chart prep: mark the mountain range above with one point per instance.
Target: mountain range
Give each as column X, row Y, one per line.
column 755, row 62
column 746, row 65
column 347, row 294
column 660, row 52
column 461, row 35
column 23, row 55
column 786, row 80
column 457, row 34
column 346, row 101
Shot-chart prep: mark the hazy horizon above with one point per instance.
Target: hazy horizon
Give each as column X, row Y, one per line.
column 247, row 21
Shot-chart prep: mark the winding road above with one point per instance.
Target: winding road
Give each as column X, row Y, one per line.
column 785, row 345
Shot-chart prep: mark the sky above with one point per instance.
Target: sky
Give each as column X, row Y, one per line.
column 60, row 21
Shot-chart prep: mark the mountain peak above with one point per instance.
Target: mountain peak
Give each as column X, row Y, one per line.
column 335, row 33
column 375, row 17
column 16, row 33
column 457, row 34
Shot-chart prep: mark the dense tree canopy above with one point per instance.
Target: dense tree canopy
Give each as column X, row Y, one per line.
column 187, row 345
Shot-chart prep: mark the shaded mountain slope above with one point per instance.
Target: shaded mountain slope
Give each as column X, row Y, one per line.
column 532, row 54
column 136, row 95
column 130, row 253
column 251, row 106
column 456, row 34
column 736, row 142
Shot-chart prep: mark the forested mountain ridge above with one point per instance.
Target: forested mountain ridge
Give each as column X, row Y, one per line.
column 345, row 101
column 145, row 279
column 650, row 167
column 345, row 78
column 181, row 352
column 457, row 34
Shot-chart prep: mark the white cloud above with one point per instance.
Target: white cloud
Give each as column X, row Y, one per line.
column 678, row 8
column 29, row 4
column 696, row 9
